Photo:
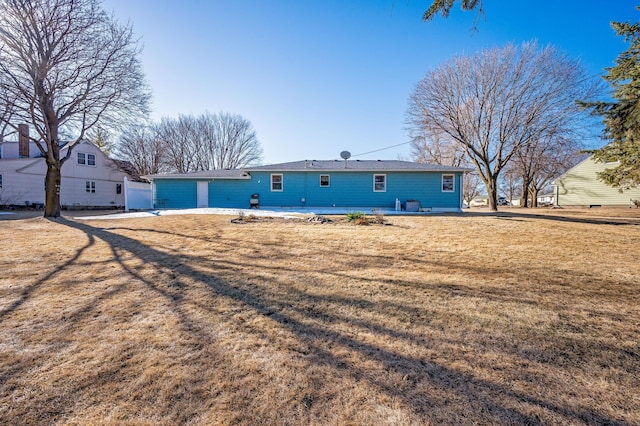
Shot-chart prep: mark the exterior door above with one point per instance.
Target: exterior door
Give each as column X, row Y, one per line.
column 203, row 194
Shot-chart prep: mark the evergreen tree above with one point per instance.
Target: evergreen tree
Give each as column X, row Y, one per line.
column 444, row 8
column 100, row 138
column 621, row 117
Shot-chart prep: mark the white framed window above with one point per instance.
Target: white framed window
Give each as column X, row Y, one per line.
column 325, row 180
column 118, row 188
column 448, row 183
column 379, row 183
column 90, row 186
column 85, row 159
column 277, row 182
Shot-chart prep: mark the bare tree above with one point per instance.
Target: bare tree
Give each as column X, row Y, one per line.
column 471, row 187
column 208, row 142
column 181, row 145
column 232, row 140
column 509, row 184
column 540, row 161
column 67, row 65
column 493, row 103
column 140, row 146
column 432, row 149
column 7, row 109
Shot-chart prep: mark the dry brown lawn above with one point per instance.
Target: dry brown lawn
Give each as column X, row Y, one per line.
column 511, row 318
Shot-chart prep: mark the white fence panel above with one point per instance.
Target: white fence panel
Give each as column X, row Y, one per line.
column 137, row 195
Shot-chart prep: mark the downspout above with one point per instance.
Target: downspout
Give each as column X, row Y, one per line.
column 461, row 189
column 126, row 194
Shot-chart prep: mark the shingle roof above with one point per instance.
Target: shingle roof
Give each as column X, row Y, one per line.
column 219, row 174
column 318, row 165
column 358, row 165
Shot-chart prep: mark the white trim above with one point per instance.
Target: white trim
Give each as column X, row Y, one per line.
column 453, row 181
column 125, row 188
column 281, row 182
column 86, row 159
column 374, row 182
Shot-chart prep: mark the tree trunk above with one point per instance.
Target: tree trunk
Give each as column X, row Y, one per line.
column 492, row 194
column 52, row 190
column 534, row 196
column 524, row 201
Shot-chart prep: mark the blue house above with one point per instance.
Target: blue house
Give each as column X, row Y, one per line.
column 307, row 184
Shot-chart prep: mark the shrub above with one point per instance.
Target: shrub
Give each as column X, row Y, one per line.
column 356, row 216
column 379, row 217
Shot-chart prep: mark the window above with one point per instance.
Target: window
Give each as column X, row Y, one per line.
column 118, row 188
column 324, row 180
column 0, row 152
column 0, row 181
column 276, row 182
column 90, row 186
column 448, row 183
column 86, row 159
column 379, row 183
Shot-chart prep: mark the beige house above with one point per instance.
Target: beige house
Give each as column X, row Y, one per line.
column 580, row 186
column 89, row 177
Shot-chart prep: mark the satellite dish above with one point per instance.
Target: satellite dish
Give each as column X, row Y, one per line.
column 345, row 155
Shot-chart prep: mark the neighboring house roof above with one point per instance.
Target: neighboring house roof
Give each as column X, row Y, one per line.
column 130, row 169
column 318, row 166
column 23, row 164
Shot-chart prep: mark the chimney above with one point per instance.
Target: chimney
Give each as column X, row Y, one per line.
column 23, row 140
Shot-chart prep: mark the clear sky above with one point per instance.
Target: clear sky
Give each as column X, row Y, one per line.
column 319, row 77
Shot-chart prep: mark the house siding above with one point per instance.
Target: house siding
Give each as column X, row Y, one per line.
column 580, row 187
column 175, row 194
column 347, row 189
column 24, row 181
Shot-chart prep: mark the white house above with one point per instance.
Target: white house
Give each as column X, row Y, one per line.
column 90, row 179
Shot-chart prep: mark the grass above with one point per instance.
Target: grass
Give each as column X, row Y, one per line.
column 524, row 317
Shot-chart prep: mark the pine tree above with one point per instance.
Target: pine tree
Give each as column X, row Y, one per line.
column 622, row 116
column 100, row 138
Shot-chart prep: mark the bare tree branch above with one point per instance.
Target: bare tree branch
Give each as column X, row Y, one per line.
column 65, row 66
column 208, row 142
column 497, row 101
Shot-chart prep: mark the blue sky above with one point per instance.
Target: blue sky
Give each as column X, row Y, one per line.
column 319, row 77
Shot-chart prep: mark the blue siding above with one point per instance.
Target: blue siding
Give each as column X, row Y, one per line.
column 175, row 193
column 347, row 189
column 230, row 193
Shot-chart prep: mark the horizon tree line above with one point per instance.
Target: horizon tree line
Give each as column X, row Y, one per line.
column 190, row 143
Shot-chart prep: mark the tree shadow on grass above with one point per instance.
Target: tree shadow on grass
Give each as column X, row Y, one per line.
column 489, row 401
column 555, row 217
column 28, row 290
